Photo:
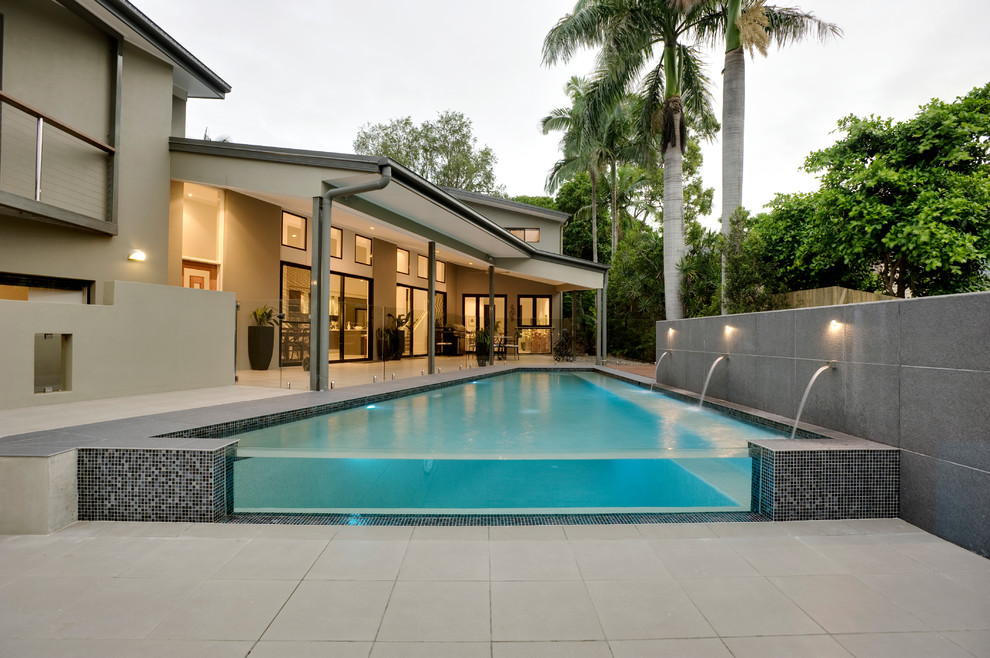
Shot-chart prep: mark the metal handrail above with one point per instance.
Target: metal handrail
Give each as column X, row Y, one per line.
column 38, row 114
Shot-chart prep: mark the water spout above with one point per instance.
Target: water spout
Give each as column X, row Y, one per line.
column 829, row 365
column 656, row 373
column 701, row 402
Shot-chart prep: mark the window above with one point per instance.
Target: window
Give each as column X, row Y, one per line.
column 423, row 269
column 362, row 250
column 402, row 261
column 527, row 234
column 534, row 310
column 293, row 231
column 336, row 239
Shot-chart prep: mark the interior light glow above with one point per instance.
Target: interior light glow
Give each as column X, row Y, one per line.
column 138, row 255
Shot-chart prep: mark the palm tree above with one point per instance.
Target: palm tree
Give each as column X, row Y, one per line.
column 628, row 33
column 748, row 24
column 582, row 150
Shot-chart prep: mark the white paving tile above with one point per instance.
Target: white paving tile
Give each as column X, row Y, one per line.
column 843, row 604
column 533, row 560
column 748, row 607
column 591, row 649
column 543, row 610
column 277, row 559
column 431, row 650
column 359, row 560
column 437, row 612
column 226, row 610
column 607, row 559
column 446, row 560
column 186, row 557
column 646, row 609
column 332, row 610
column 701, row 558
column 310, row 649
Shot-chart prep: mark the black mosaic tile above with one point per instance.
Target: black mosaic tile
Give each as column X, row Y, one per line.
column 491, row 519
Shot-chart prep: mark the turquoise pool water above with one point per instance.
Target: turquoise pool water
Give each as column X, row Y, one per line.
column 521, row 442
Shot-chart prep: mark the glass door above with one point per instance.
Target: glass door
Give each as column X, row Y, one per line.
column 416, row 301
column 476, row 316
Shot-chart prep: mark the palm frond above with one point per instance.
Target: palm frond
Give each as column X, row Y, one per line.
column 789, row 25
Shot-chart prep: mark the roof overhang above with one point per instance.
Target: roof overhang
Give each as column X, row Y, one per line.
column 409, row 207
column 123, row 20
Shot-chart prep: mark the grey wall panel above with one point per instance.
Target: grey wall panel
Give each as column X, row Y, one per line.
column 815, row 337
column 918, row 492
column 872, row 401
column 871, row 333
column 946, row 414
column 962, row 506
column 775, row 333
column 776, row 389
column 743, row 380
column 946, row 332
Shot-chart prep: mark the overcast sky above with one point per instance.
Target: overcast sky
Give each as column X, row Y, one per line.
column 309, row 73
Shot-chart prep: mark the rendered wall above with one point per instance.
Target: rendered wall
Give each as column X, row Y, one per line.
column 145, row 339
column 913, row 374
column 49, row 63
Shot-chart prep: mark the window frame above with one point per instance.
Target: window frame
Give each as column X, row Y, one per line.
column 522, row 233
column 371, row 246
column 532, row 299
column 305, row 234
column 406, row 252
column 339, row 251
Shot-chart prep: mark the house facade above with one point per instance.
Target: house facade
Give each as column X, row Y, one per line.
column 131, row 257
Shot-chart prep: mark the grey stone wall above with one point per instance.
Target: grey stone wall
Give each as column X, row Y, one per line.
column 913, row 374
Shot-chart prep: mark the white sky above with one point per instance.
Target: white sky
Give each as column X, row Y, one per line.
column 309, row 73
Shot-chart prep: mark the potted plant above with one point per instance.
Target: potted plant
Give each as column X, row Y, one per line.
column 482, row 346
column 261, row 337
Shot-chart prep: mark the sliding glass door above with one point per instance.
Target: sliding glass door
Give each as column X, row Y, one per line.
column 416, row 301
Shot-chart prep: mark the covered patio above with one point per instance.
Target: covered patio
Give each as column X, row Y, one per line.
column 354, row 251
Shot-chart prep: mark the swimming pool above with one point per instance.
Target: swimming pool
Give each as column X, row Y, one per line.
column 519, row 442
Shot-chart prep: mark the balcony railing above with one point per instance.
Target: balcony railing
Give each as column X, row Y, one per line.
column 47, row 161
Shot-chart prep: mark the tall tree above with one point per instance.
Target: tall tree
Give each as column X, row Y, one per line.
column 749, row 25
column 628, row 33
column 442, row 151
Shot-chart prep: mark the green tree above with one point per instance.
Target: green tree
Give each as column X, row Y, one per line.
column 628, row 33
column 442, row 151
column 752, row 282
column 908, row 202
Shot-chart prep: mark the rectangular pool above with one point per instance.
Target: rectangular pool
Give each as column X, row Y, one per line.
column 520, row 442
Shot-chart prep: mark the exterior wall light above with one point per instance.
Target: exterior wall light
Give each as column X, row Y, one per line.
column 729, row 330
column 836, row 325
column 138, row 255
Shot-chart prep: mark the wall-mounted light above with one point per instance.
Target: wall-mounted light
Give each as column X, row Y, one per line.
column 137, row 254
column 729, row 329
column 670, row 331
column 836, row 325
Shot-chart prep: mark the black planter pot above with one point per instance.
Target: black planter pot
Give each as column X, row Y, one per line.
column 261, row 342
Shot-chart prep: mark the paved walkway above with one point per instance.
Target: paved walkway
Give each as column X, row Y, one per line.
column 860, row 588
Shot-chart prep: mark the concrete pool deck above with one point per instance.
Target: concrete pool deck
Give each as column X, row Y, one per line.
column 830, row 588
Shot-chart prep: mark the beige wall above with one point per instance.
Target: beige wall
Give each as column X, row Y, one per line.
column 51, row 61
column 145, row 339
column 550, row 230
column 58, row 63
column 251, row 267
